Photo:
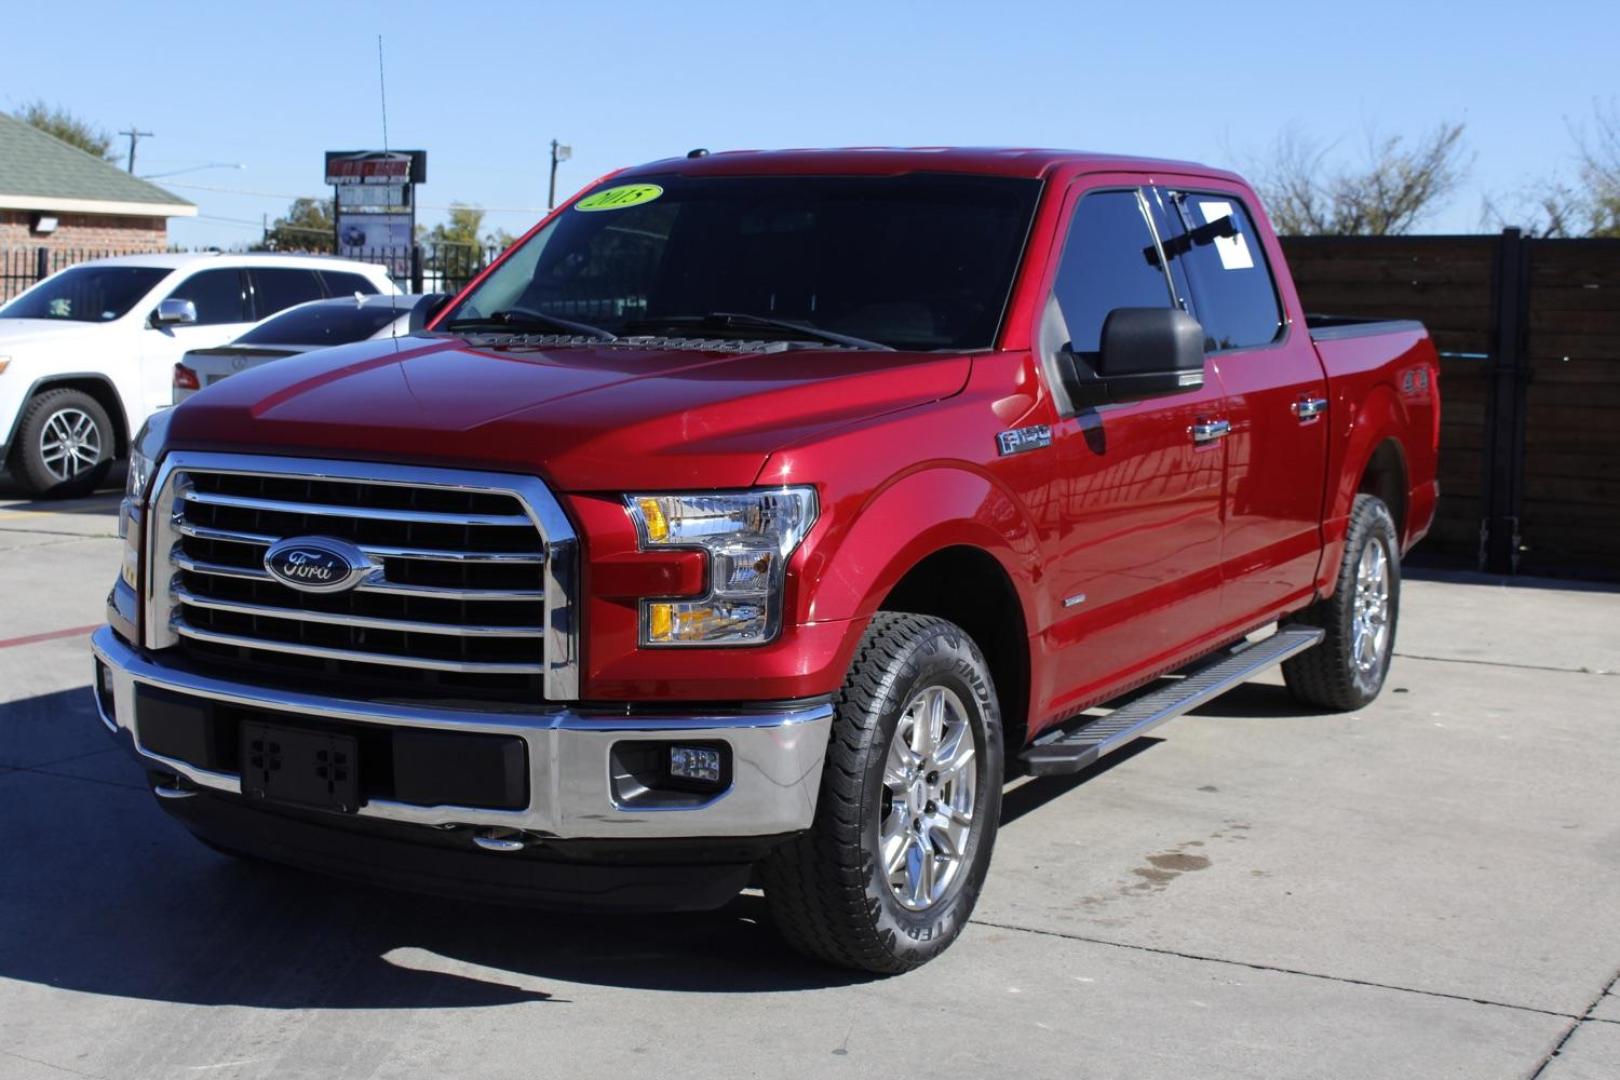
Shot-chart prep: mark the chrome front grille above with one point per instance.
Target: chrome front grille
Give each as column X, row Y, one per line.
column 472, row 596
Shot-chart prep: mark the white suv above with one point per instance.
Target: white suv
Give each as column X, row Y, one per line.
column 89, row 353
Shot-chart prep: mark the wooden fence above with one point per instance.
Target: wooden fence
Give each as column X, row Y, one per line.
column 1529, row 334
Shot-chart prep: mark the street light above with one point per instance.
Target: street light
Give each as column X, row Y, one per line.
column 558, row 153
column 194, row 168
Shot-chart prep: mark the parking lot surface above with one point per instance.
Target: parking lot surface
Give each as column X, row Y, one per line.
column 1427, row 888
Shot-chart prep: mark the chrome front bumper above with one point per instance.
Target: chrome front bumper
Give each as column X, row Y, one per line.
column 776, row 757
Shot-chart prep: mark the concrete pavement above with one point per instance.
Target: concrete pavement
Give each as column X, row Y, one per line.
column 1426, row 888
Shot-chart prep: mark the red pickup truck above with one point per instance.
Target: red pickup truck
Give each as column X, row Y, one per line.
column 751, row 520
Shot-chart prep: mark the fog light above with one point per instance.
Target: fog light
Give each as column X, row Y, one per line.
column 700, row 763
column 104, row 691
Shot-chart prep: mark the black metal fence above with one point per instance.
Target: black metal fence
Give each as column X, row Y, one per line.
column 420, row 268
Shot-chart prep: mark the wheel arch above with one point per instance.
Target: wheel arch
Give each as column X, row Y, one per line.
column 938, row 541
column 966, row 585
column 97, row 386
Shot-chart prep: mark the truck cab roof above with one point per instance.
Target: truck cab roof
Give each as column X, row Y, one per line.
column 1028, row 162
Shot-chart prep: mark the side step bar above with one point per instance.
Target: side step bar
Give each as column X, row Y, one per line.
column 1072, row 750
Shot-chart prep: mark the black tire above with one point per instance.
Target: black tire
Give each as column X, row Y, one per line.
column 28, row 462
column 826, row 890
column 1330, row 676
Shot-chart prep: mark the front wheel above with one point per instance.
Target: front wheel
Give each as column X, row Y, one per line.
column 910, row 796
column 65, row 444
column 1347, row 670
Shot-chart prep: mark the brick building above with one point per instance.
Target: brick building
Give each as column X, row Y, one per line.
column 58, row 197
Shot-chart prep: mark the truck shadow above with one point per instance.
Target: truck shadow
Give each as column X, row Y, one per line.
column 100, row 892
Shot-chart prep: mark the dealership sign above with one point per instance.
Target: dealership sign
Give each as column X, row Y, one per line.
column 376, row 167
column 373, row 203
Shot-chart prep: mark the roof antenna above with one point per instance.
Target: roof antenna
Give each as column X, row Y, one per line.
column 382, row 96
column 382, row 90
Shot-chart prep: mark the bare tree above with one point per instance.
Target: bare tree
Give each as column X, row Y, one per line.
column 1394, row 187
column 57, row 121
column 1587, row 206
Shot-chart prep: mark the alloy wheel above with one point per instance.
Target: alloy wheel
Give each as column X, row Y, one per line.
column 70, row 443
column 929, row 794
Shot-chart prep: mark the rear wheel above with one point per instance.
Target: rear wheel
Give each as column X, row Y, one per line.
column 65, row 444
column 1347, row 670
column 910, row 796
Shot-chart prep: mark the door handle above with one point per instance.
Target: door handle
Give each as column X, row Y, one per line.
column 1209, row 430
column 1308, row 409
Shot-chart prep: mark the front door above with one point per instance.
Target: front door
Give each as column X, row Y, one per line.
column 220, row 297
column 1138, row 574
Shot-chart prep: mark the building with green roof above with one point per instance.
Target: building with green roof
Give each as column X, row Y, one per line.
column 57, row 196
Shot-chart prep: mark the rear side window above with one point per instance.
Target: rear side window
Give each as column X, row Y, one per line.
column 342, row 283
column 278, row 288
column 1109, row 261
column 218, row 295
column 323, row 324
column 1232, row 291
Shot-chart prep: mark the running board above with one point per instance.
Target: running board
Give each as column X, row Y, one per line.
column 1072, row 750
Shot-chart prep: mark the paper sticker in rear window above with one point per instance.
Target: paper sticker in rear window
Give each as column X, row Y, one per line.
column 1233, row 250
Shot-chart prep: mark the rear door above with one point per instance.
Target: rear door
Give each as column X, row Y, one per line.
column 1138, row 572
column 1276, row 452
column 277, row 288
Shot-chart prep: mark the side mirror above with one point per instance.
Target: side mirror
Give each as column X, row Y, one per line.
column 426, row 308
column 1146, row 353
column 174, row 311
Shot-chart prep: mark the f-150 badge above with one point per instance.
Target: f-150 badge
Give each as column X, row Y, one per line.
column 1018, row 440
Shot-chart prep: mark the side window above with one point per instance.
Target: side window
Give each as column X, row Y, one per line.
column 1233, row 293
column 342, row 283
column 1110, row 261
column 278, row 288
column 217, row 294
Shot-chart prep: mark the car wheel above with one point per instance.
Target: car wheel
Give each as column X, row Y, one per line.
column 65, row 445
column 889, row 872
column 1347, row 670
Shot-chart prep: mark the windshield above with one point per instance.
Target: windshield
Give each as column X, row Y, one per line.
column 322, row 324
column 87, row 293
column 920, row 261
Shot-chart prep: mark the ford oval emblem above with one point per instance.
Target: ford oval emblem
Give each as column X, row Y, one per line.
column 317, row 564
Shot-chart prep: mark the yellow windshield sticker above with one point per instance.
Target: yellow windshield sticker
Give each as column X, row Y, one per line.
column 618, row 198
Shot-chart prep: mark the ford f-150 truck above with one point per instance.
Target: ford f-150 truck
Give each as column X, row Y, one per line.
column 751, row 520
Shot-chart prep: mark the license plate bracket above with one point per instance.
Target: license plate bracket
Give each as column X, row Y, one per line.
column 305, row 768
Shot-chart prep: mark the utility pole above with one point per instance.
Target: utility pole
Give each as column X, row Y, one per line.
column 135, row 136
column 558, row 153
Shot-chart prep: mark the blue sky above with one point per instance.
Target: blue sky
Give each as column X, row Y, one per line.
column 483, row 87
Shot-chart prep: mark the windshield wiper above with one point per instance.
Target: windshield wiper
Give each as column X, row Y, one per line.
column 515, row 318
column 725, row 320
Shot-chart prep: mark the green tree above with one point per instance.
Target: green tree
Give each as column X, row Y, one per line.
column 57, row 121
column 1393, row 188
column 461, row 228
column 307, row 226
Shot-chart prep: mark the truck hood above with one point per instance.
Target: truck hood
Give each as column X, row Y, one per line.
column 594, row 418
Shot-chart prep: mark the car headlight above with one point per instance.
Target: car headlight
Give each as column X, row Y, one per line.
column 144, row 453
column 748, row 538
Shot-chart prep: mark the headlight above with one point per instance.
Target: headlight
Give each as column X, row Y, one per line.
column 144, row 452
column 748, row 537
